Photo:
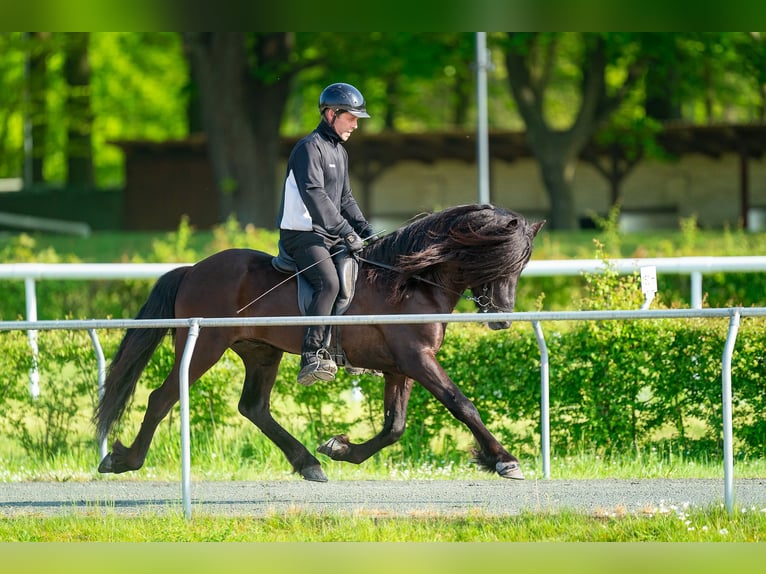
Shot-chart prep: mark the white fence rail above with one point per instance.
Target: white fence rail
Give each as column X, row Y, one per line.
column 535, row 318
column 695, row 267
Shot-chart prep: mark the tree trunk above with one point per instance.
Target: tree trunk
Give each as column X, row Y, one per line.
column 37, row 89
column 79, row 147
column 557, row 173
column 557, row 150
column 241, row 114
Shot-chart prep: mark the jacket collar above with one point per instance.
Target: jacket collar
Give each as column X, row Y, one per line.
column 327, row 132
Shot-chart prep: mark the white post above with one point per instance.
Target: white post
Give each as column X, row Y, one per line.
column 648, row 284
column 728, row 434
column 101, row 362
column 482, row 136
column 31, row 304
column 696, row 288
column 545, row 421
column 183, row 400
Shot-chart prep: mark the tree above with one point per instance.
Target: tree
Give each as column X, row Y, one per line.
column 79, row 114
column 36, row 116
column 243, row 83
column 531, row 61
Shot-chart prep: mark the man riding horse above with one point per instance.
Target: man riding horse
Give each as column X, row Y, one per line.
column 318, row 216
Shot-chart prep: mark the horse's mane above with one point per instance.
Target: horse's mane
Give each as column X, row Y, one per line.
column 462, row 246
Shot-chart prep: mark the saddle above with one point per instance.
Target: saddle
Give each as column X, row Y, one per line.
column 348, row 271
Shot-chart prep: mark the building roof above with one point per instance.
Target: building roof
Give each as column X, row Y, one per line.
column 388, row 148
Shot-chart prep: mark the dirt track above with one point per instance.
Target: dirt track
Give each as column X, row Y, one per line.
column 388, row 497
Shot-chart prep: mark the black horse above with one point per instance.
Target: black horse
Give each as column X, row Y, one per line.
column 424, row 267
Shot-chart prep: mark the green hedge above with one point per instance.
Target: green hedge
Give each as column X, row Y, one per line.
column 615, row 386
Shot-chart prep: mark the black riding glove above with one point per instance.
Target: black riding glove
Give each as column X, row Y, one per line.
column 354, row 242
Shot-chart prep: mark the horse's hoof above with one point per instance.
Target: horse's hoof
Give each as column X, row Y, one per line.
column 335, row 447
column 509, row 470
column 106, row 464
column 314, row 474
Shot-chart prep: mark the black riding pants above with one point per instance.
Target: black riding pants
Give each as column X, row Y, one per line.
column 312, row 255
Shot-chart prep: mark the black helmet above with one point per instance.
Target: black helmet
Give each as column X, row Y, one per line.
column 344, row 97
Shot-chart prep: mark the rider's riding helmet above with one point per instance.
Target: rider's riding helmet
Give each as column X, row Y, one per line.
column 343, row 97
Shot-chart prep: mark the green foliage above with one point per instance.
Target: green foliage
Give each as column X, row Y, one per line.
column 51, row 424
column 617, row 387
column 140, row 84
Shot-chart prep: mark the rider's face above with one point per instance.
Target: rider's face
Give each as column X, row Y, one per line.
column 345, row 123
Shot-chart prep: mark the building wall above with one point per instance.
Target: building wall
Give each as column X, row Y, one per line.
column 693, row 186
column 165, row 182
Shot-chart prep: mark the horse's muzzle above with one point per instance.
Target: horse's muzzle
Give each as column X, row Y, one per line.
column 499, row 325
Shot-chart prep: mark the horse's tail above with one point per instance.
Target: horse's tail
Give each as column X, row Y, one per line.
column 135, row 350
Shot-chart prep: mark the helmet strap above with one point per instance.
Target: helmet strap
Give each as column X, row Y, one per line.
column 334, row 117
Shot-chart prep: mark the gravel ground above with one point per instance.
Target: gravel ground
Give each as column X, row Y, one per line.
column 384, row 497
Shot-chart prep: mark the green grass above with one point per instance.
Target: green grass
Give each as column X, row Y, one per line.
column 663, row 525
column 247, row 456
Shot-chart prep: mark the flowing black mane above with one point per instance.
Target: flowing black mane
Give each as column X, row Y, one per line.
column 476, row 244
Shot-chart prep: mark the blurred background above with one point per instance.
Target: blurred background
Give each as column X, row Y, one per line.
column 136, row 131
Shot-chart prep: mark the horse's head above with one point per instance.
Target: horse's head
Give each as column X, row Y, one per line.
column 499, row 295
column 478, row 247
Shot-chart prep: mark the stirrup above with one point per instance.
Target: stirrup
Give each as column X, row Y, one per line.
column 320, row 367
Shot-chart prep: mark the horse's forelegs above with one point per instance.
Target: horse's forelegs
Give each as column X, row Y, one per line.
column 491, row 454
column 261, row 364
column 396, row 396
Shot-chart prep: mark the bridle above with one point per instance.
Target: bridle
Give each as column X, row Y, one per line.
column 484, row 301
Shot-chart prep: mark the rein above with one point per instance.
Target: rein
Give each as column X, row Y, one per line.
column 483, row 301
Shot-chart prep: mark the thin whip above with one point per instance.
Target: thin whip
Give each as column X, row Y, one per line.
column 293, row 276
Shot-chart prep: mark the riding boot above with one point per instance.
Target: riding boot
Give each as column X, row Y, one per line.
column 316, row 362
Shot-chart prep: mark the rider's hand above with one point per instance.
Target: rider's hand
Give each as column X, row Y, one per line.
column 354, row 242
column 369, row 235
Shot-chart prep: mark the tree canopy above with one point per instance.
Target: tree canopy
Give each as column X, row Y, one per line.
column 246, row 90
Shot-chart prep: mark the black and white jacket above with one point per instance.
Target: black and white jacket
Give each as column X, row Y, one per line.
column 317, row 195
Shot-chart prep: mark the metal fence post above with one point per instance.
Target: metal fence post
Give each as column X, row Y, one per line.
column 728, row 434
column 183, row 400
column 696, row 289
column 31, row 305
column 101, row 362
column 545, row 421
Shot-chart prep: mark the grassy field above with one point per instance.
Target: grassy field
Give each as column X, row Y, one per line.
column 226, row 463
column 667, row 525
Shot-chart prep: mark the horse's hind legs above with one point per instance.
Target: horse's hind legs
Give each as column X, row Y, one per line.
column 395, row 400
column 161, row 400
column 261, row 365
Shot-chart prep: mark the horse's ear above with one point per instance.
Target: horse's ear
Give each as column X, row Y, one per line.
column 537, row 226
